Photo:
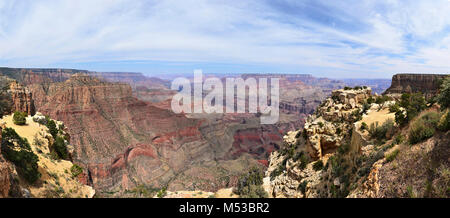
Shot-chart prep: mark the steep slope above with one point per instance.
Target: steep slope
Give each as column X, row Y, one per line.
column 56, row 176
column 110, row 128
column 411, row 83
column 325, row 133
column 371, row 155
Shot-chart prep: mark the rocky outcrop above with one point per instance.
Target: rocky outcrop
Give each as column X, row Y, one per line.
column 326, row 130
column 292, row 170
column 22, row 99
column 428, row 84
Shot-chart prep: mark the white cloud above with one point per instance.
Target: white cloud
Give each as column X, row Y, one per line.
column 373, row 39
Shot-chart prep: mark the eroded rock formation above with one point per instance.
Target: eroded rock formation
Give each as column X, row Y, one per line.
column 291, row 170
column 409, row 83
column 22, row 99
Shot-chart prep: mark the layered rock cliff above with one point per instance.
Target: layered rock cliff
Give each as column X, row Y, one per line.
column 410, row 83
column 124, row 142
column 22, row 98
column 26, row 76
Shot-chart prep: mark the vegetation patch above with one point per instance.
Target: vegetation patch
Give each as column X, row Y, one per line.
column 424, row 127
column 51, row 125
column 17, row 150
column 59, row 149
column 444, row 122
column 391, row 156
column 364, row 126
column 19, row 118
column 76, row 170
column 444, row 95
column 385, row 131
column 409, row 106
column 162, row 193
column 318, row 165
column 250, row 185
column 302, row 186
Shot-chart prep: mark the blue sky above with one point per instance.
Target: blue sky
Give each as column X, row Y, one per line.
column 339, row 39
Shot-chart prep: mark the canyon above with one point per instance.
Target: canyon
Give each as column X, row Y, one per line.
column 125, row 135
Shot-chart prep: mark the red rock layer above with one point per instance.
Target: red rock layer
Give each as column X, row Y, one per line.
column 22, row 99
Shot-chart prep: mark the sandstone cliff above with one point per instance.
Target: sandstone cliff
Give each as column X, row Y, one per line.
column 410, row 83
column 22, row 99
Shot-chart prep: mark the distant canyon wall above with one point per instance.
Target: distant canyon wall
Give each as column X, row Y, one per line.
column 428, row 84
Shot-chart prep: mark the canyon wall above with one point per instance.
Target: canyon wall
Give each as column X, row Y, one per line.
column 125, row 140
column 428, row 84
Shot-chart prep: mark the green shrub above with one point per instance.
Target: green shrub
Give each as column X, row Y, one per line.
column 320, row 124
column 394, row 108
column 344, row 148
column 162, row 193
column 444, row 95
column 51, row 125
column 318, row 165
column 278, row 171
column 356, row 115
column 60, row 148
column 420, row 132
column 431, row 118
column 364, row 126
column 250, row 184
column 76, row 170
column 20, row 154
column 390, row 157
column 19, row 118
column 365, row 108
column 302, row 186
column 413, row 104
column 382, row 132
column 399, row 139
column 444, row 122
column 382, row 99
column 304, row 134
column 304, row 160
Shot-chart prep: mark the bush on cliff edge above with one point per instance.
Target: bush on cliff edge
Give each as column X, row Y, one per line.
column 17, row 150
column 19, row 118
column 250, row 185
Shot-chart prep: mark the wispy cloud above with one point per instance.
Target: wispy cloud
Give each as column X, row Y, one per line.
column 327, row 38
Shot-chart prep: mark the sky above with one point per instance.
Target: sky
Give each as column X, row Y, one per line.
column 336, row 39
